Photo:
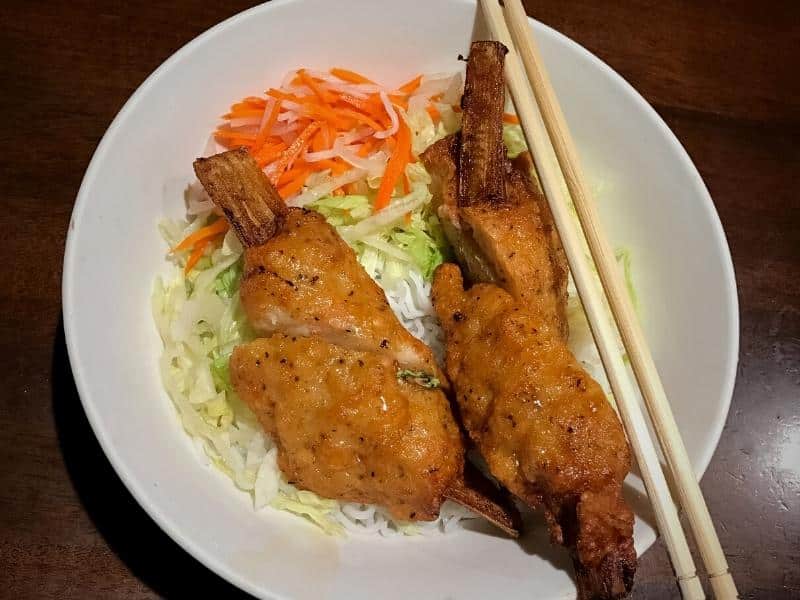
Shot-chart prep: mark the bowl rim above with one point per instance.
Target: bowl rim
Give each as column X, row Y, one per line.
column 136, row 488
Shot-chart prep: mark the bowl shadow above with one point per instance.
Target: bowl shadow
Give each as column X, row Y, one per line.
column 149, row 553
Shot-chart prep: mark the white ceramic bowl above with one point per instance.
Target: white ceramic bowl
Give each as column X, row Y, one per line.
column 652, row 200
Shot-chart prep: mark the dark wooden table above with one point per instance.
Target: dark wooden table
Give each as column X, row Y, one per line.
column 724, row 75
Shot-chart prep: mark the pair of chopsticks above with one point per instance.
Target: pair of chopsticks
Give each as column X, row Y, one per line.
column 555, row 157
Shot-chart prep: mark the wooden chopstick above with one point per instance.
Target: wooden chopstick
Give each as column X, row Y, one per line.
column 592, row 299
column 691, row 498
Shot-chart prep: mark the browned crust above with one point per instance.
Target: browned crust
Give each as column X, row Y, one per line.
column 483, row 155
column 521, row 185
column 478, row 494
column 239, row 187
column 441, row 162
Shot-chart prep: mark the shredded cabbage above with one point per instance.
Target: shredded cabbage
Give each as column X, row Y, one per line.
column 200, row 320
column 514, row 140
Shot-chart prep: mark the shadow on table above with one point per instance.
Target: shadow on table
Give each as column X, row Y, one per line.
column 148, row 552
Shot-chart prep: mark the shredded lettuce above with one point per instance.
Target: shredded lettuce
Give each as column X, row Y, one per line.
column 316, row 509
column 200, row 320
column 226, row 283
column 514, row 140
column 393, row 241
column 425, row 132
column 623, row 256
column 405, row 236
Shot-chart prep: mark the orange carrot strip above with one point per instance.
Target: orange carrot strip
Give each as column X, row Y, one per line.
column 509, row 118
column 328, row 134
column 195, row 256
column 294, row 186
column 349, row 76
column 318, row 141
column 457, row 108
column 249, row 104
column 243, row 113
column 363, row 105
column 281, row 95
column 234, row 142
column 204, row 233
column 395, row 167
column 434, row 112
column 339, row 166
column 318, row 91
column 321, row 165
column 400, row 101
column 295, row 149
column 366, row 147
column 289, row 175
column 338, row 192
column 255, row 101
column 411, row 86
column 268, row 125
column 233, row 133
column 321, row 112
column 336, row 165
column 358, row 116
column 268, row 153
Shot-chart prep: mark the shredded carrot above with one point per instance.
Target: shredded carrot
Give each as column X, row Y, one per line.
column 456, row 108
column 233, row 141
column 295, row 149
column 281, row 95
column 400, row 101
column 244, row 113
column 248, row 104
column 360, row 103
column 350, row 76
column 227, row 134
column 339, row 166
column 338, row 192
column 204, row 233
column 268, row 125
column 309, row 117
column 411, row 86
column 298, row 169
column 509, row 118
column 294, row 186
column 314, row 86
column 319, row 140
column 196, row 255
column 366, row 147
column 268, row 153
column 361, row 117
column 395, row 167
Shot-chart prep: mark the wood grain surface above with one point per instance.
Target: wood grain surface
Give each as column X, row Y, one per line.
column 723, row 74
